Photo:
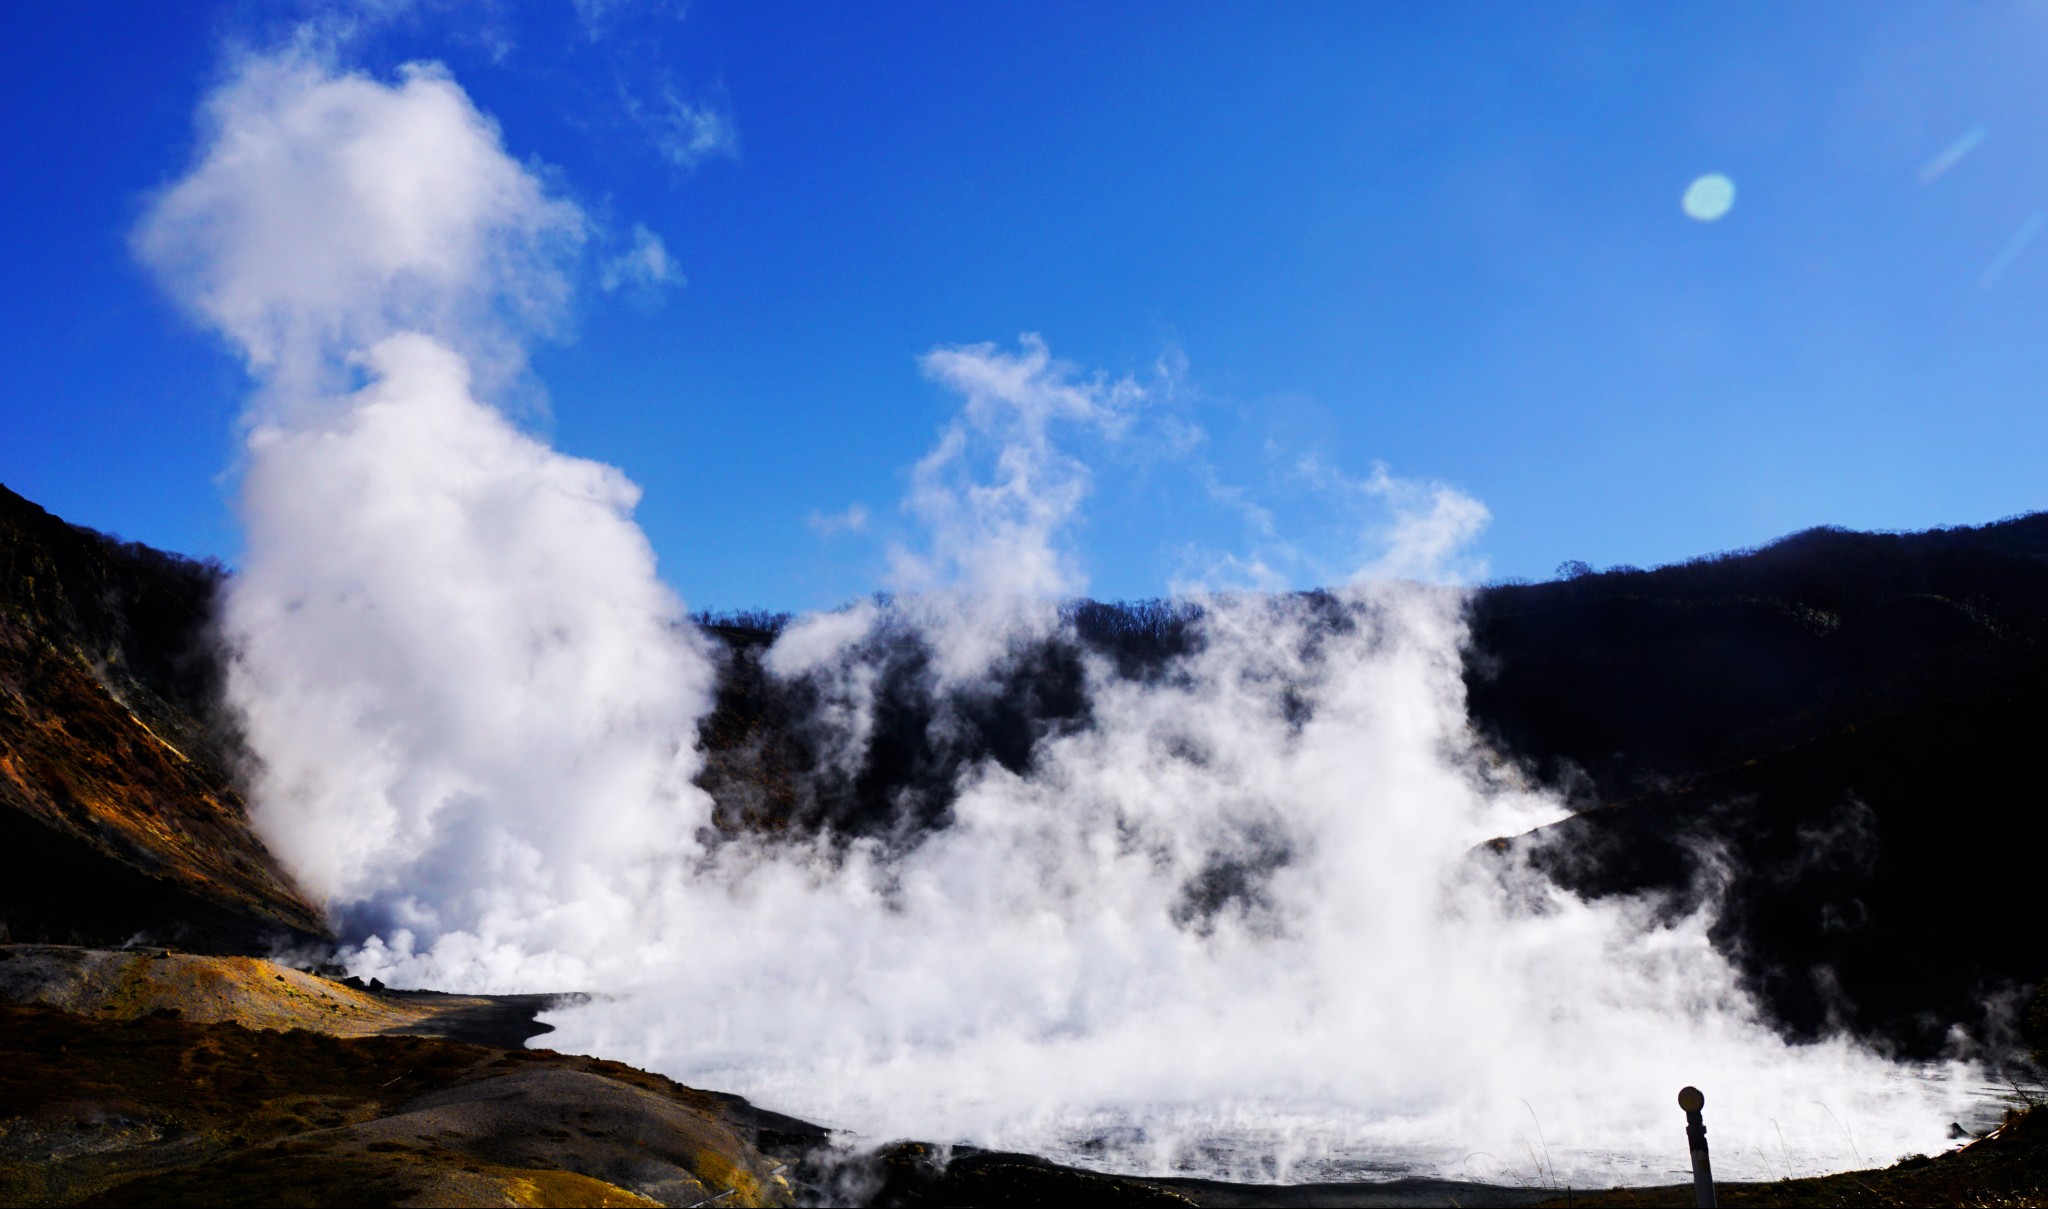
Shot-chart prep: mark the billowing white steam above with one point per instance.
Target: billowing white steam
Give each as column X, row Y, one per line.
column 473, row 699
column 475, row 705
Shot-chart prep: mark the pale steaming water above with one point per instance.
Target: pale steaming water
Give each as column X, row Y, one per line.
column 474, row 701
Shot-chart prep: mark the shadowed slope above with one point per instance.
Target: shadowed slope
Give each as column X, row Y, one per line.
column 118, row 814
column 1636, row 678
column 1833, row 740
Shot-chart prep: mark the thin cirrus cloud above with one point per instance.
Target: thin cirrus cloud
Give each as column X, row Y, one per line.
column 852, row 519
column 683, row 131
column 1953, row 154
column 644, row 265
column 2014, row 248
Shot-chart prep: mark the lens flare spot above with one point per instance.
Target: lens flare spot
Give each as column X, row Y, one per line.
column 1709, row 197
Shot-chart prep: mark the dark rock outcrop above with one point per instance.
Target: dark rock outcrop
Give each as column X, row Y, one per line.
column 161, row 1110
column 120, row 818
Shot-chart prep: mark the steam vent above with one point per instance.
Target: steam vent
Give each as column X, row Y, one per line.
column 702, row 604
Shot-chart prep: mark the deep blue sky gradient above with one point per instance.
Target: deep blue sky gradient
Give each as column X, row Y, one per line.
column 1444, row 237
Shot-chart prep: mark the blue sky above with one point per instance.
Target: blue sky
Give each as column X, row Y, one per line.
column 1446, row 238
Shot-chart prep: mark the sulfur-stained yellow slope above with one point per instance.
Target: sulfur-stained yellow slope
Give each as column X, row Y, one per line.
column 123, row 984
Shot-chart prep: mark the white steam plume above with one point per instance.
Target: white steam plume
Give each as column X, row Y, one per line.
column 472, row 697
column 1233, row 923
column 1238, row 925
column 328, row 211
column 999, row 533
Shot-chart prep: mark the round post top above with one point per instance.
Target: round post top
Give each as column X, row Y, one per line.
column 1691, row 1099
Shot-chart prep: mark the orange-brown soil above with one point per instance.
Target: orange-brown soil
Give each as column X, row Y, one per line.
column 122, row 984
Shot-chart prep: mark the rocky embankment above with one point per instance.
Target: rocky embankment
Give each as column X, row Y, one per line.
column 125, row 984
column 149, row 1076
column 153, row 1077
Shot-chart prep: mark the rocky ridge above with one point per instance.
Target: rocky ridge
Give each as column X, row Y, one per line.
column 120, row 816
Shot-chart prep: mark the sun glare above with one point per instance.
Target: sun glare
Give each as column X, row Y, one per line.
column 1709, row 197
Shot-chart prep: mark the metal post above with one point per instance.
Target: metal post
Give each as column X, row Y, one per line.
column 1692, row 1100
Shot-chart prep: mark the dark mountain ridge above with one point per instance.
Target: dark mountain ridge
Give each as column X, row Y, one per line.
column 1833, row 740
column 1829, row 739
column 1634, row 676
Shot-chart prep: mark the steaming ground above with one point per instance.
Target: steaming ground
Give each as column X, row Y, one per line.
column 1240, row 930
column 1234, row 924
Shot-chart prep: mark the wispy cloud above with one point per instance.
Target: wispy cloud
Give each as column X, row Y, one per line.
column 600, row 17
column 854, row 519
column 2028, row 231
column 1951, row 155
column 685, row 132
column 644, row 265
